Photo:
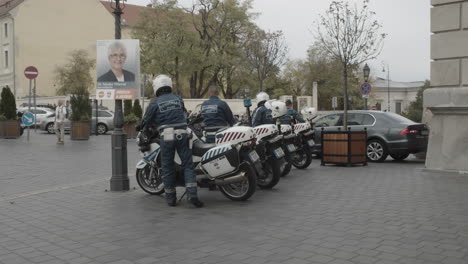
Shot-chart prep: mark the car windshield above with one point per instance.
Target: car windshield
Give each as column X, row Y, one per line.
column 399, row 119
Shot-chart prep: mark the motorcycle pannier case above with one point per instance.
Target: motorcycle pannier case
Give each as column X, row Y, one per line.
column 220, row 161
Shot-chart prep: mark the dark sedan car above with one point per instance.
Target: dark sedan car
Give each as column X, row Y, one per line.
column 387, row 133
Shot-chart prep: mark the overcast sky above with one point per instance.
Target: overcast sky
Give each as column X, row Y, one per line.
column 407, row 23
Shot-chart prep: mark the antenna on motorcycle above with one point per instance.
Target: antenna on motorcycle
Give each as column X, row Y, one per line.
column 247, row 105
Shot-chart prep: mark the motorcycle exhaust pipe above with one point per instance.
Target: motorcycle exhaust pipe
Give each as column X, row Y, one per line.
column 229, row 180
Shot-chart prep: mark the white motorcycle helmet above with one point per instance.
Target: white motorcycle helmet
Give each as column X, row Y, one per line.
column 278, row 108
column 309, row 113
column 161, row 81
column 262, row 96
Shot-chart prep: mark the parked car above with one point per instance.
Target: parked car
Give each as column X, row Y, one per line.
column 40, row 112
column 387, row 133
column 105, row 123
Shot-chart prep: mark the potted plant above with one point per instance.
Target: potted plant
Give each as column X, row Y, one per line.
column 80, row 117
column 74, row 77
column 9, row 123
column 130, row 123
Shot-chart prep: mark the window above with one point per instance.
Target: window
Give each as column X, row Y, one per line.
column 104, row 114
column 5, row 30
column 38, row 112
column 6, row 58
column 326, row 121
column 398, row 107
column 368, row 120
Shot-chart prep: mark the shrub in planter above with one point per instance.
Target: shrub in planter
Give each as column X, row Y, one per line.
column 137, row 109
column 9, row 124
column 130, row 122
column 80, row 117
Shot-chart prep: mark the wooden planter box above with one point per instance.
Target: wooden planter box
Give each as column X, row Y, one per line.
column 344, row 147
column 79, row 130
column 9, row 129
column 130, row 129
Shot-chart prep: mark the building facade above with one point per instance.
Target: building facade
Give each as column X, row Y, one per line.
column 392, row 96
column 43, row 33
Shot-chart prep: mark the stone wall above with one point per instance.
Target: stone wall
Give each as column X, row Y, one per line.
column 448, row 99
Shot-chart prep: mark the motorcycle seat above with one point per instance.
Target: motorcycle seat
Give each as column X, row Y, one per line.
column 200, row 148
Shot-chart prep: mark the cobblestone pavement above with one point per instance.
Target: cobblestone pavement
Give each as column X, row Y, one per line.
column 54, row 209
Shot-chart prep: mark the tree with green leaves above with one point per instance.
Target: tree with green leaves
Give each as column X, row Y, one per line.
column 74, row 77
column 7, row 104
column 350, row 34
column 416, row 108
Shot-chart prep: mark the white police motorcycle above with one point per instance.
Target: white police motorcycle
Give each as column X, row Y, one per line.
column 228, row 164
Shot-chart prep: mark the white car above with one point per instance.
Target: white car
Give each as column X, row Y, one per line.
column 41, row 113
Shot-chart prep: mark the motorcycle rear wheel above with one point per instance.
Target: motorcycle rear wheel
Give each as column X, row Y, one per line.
column 272, row 169
column 150, row 180
column 302, row 158
column 241, row 191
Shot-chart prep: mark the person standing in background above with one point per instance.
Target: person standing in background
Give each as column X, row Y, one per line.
column 60, row 114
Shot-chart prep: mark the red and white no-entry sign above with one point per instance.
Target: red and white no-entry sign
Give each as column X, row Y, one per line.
column 31, row 72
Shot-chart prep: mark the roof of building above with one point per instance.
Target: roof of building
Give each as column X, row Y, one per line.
column 130, row 15
column 383, row 83
column 7, row 5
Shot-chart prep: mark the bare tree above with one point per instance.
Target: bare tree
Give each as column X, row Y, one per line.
column 350, row 34
column 266, row 52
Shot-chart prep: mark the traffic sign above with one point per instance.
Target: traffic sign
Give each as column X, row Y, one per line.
column 366, row 88
column 28, row 119
column 31, row 72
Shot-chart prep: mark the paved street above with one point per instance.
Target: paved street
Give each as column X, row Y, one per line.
column 54, row 208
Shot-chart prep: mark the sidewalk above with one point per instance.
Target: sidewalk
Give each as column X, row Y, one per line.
column 383, row 213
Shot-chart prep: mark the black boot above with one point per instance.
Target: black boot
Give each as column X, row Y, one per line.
column 172, row 202
column 196, row 202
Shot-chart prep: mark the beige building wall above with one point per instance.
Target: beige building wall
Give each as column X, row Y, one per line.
column 6, row 52
column 47, row 30
column 448, row 99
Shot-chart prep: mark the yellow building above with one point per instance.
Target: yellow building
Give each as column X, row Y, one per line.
column 42, row 34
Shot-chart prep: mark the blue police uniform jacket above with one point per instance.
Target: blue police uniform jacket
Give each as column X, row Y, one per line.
column 216, row 114
column 291, row 116
column 165, row 110
column 262, row 116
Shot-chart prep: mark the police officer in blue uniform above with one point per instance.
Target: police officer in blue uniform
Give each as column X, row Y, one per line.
column 292, row 117
column 216, row 114
column 166, row 112
column 262, row 115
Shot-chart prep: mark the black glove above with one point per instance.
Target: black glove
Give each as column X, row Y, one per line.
column 138, row 127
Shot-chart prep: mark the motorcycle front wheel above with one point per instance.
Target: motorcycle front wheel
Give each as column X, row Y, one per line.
column 285, row 167
column 272, row 170
column 302, row 158
column 241, row 191
column 150, row 180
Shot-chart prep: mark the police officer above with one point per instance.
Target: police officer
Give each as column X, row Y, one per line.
column 166, row 113
column 292, row 117
column 262, row 115
column 216, row 114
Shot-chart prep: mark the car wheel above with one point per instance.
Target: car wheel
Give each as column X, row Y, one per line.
column 376, row 150
column 101, row 129
column 399, row 156
column 50, row 128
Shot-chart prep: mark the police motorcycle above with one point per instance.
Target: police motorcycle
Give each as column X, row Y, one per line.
column 305, row 131
column 228, row 164
column 269, row 148
column 295, row 154
column 267, row 173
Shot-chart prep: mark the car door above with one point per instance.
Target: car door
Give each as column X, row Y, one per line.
column 327, row 123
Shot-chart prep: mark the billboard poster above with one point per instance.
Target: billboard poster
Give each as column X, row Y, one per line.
column 303, row 102
column 118, row 69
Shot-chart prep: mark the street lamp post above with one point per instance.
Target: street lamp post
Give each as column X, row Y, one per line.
column 388, row 86
column 366, row 71
column 119, row 180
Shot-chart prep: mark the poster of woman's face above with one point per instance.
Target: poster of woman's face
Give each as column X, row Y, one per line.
column 117, row 69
